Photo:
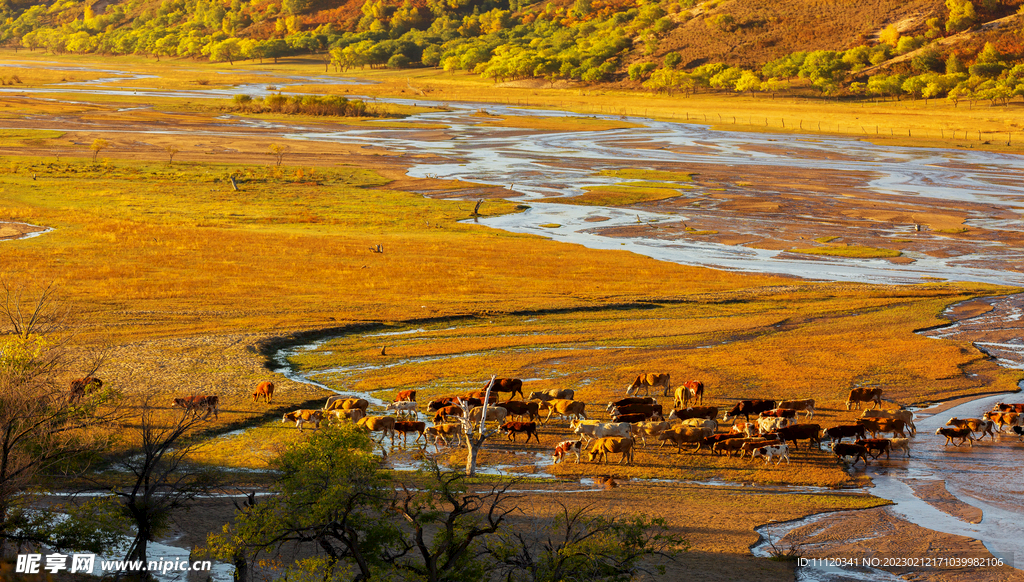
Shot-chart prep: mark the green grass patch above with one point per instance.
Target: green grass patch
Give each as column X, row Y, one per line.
column 23, row 137
column 640, row 174
column 851, row 251
column 620, row 195
column 826, row 239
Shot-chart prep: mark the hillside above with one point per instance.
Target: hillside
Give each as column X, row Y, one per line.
column 886, row 48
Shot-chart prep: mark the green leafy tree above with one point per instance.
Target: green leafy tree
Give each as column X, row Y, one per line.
column 961, row 15
column 672, row 60
column 638, row 71
column 927, row 61
column 229, row 50
column 954, row 65
column 886, row 85
column 748, row 81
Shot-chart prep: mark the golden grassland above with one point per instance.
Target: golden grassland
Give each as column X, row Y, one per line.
column 180, row 277
column 620, row 195
column 850, row 251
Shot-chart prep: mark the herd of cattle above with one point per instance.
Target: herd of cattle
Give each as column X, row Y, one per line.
column 634, row 419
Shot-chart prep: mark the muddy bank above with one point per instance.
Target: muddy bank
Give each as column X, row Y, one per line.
column 20, row 230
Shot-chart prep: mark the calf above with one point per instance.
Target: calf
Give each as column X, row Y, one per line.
column 752, row 444
column 709, row 412
column 748, row 407
column 684, row 434
column 806, row 405
column 843, row 450
column 780, row 450
column 602, row 447
column 194, row 404
column 872, row 445
column 403, row 407
column 975, row 424
column 1019, row 431
column 714, row 440
column 592, row 429
column 837, row 433
column 744, row 428
column 443, row 432
column 964, row 434
column 567, row 409
column 406, row 396
column 447, row 411
column 900, row 444
column 513, row 428
column 495, row 413
column 300, row 417
column 564, row 448
column 771, row 424
column 407, row 426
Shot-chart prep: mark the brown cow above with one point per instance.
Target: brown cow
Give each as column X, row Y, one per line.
column 907, row 416
column 779, row 412
column 512, row 428
column 879, row 445
column 709, row 412
column 446, row 412
column 748, row 407
column 1012, row 407
column 652, row 410
column 194, row 404
column 964, row 434
column 352, row 414
column 807, row 405
column 301, row 417
column 346, row 403
column 877, row 425
column 521, row 409
column 382, row 424
column 975, row 424
column 264, row 389
column 1004, row 419
column 690, row 389
column 407, row 426
column 603, row 446
column 81, row 386
column 442, row 432
column 714, row 440
column 567, row 408
column 406, row 396
column 648, row 381
column 511, row 385
column 628, row 401
column 837, row 433
column 859, row 395
column 681, row 435
column 554, row 393
column 842, row 450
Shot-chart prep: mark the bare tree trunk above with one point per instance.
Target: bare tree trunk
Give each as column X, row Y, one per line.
column 474, row 444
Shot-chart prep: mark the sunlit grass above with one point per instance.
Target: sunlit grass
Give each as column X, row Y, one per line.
column 850, row 251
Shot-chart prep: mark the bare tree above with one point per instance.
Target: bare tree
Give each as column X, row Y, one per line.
column 45, row 430
column 160, row 480
column 474, row 444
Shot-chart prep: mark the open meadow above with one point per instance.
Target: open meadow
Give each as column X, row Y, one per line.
column 193, row 249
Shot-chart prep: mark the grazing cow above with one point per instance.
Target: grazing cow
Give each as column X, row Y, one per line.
column 446, row 412
column 346, row 403
column 964, row 434
column 807, row 405
column 900, row 444
column 564, row 448
column 796, row 432
column 264, row 389
column 382, row 424
column 407, row 426
column 843, row 450
column 511, row 385
column 744, row 428
column 194, row 404
column 906, row 416
column 975, row 424
column 877, row 425
column 439, row 403
column 478, row 397
column 352, row 414
column 768, row 451
column 554, row 393
column 837, row 433
column 406, row 396
column 748, row 407
column 496, row 413
column 714, row 440
column 651, row 410
column 648, row 381
column 711, row 425
column 301, row 417
column 521, row 409
column 649, row 428
column 1004, row 419
column 710, row 412
column 630, row 400
column 1013, row 407
column 512, row 428
column 81, row 386
column 403, row 407
column 602, row 447
column 858, row 395
column 592, row 429
column 543, row 405
column 442, row 432
column 771, row 424
column 631, row 418
column 567, row 408
column 779, row 412
column 691, row 389
column 681, row 435
column 879, row 445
